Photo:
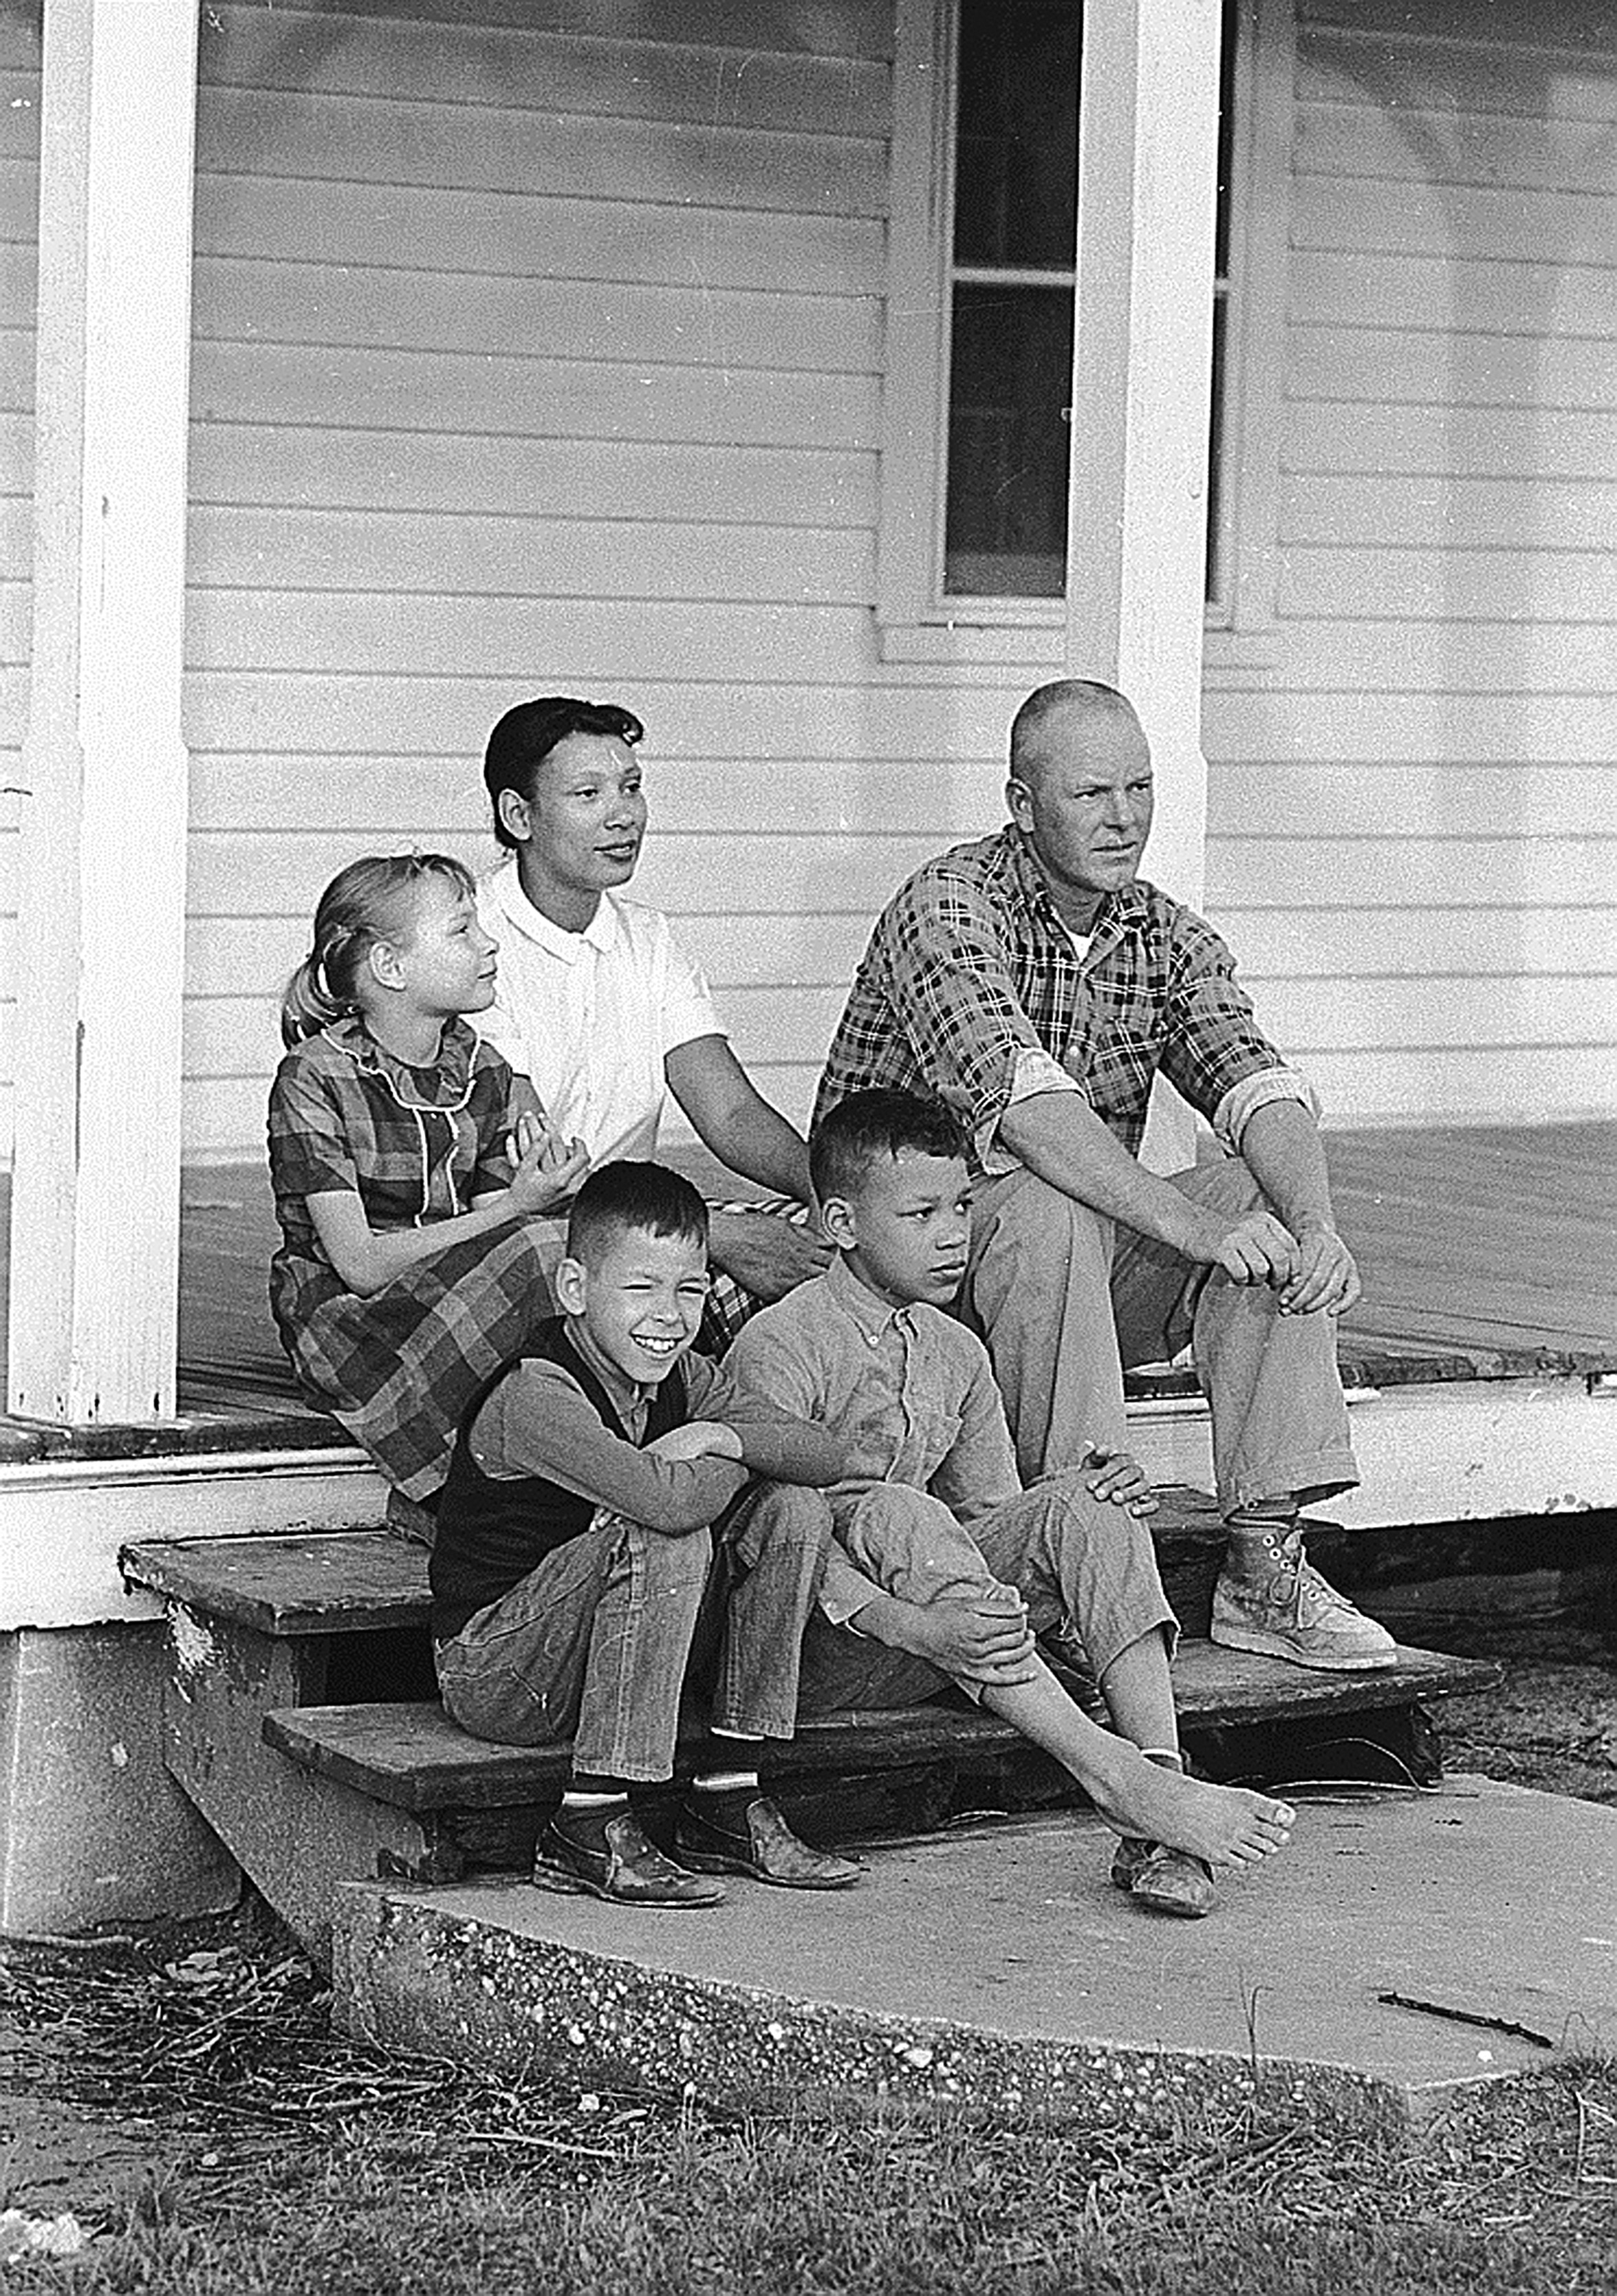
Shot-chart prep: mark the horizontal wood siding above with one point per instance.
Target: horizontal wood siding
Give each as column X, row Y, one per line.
column 1414, row 805
column 539, row 347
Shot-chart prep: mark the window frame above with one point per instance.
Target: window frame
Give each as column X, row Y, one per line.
column 918, row 619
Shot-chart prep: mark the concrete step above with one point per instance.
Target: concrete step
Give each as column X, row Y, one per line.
column 1403, row 1946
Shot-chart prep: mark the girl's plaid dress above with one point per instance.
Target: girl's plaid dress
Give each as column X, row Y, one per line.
column 399, row 1367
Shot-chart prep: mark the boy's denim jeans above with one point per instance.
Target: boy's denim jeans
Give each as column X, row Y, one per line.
column 591, row 1645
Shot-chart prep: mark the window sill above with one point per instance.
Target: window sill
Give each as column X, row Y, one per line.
column 1036, row 644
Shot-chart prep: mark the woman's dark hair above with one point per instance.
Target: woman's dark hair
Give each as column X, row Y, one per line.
column 525, row 735
column 368, row 901
column 867, row 1126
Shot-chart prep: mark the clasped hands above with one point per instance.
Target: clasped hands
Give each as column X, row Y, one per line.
column 548, row 1168
column 1313, row 1271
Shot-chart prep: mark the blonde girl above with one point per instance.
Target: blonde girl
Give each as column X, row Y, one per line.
column 409, row 1168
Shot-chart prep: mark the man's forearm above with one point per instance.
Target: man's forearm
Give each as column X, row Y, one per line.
column 1282, row 1145
column 1058, row 1137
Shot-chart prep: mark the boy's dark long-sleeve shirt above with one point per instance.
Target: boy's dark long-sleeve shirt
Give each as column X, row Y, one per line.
column 539, row 1422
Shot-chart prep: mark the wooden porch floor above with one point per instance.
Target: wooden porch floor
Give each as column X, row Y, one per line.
column 1486, row 1253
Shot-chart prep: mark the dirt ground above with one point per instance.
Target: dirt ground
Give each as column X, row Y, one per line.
column 1551, row 1721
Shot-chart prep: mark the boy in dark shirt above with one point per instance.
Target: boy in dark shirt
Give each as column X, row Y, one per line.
column 573, row 1550
column 944, row 1568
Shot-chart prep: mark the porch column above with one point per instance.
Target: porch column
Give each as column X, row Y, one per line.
column 1148, row 133
column 102, row 850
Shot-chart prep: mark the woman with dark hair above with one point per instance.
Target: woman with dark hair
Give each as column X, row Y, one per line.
column 596, row 1002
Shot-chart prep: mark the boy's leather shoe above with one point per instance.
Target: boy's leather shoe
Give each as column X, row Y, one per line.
column 1166, row 1881
column 627, row 1869
column 764, row 1846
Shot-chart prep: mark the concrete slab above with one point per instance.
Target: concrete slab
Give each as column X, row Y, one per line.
column 1402, row 1946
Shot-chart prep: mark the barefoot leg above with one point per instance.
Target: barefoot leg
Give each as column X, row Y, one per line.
column 1226, row 1824
column 1139, row 1690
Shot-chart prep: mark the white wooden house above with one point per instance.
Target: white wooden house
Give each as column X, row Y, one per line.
column 605, row 347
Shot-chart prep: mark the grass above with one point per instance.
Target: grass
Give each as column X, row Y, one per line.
column 282, row 2158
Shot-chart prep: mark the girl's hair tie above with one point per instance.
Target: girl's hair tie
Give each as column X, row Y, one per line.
column 334, row 943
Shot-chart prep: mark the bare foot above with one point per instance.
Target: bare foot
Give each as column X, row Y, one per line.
column 1228, row 1825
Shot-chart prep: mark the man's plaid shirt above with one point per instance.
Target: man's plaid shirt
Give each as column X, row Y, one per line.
column 971, row 988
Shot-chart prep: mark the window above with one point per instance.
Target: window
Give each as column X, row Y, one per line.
column 1008, row 284
column 977, row 431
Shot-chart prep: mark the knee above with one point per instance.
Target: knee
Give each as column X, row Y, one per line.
column 788, row 1515
column 898, row 1503
column 1077, row 1518
column 895, row 1516
column 1233, row 1185
column 1032, row 1244
column 1047, row 1217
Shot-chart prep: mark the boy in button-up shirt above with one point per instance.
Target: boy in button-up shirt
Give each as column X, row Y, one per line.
column 944, row 1567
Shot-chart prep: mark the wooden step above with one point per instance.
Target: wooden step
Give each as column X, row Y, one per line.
column 356, row 1582
column 412, row 1757
column 328, row 1582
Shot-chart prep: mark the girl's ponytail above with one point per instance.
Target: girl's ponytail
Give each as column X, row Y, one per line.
column 308, row 1003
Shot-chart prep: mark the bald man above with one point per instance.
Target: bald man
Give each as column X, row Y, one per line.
column 1036, row 983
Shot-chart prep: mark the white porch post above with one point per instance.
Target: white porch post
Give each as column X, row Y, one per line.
column 102, row 850
column 1148, row 130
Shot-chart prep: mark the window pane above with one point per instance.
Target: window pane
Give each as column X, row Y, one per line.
column 1016, row 173
column 1216, row 569
column 1227, row 131
column 1005, row 529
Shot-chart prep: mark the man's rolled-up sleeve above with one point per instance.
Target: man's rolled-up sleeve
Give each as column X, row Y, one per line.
column 1243, row 1101
column 1216, row 1056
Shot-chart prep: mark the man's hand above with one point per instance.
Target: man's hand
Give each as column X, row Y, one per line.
column 698, row 1439
column 1327, row 1280
column 1255, row 1248
column 983, row 1638
column 1119, row 1478
column 765, row 1255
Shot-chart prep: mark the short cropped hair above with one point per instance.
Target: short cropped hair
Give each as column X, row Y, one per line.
column 1085, row 693
column 525, row 737
column 854, row 1135
column 617, row 1198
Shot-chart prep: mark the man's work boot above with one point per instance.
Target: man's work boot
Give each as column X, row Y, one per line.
column 1270, row 1599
